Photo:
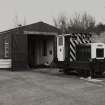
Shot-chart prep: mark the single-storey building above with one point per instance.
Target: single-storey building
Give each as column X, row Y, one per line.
column 28, row 46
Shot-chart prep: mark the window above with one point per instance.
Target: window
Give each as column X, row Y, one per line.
column 6, row 48
column 100, row 52
column 44, row 49
column 60, row 41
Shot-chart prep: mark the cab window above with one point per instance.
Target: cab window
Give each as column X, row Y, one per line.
column 99, row 52
column 60, row 41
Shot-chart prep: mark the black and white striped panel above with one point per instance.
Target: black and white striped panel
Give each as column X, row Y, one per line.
column 80, row 39
column 72, row 50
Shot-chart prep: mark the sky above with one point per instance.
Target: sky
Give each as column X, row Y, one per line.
column 31, row 11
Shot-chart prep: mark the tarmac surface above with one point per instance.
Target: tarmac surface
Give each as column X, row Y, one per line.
column 49, row 87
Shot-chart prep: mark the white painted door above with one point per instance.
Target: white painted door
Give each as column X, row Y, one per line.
column 60, row 48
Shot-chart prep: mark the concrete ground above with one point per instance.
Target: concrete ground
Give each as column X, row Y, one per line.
column 48, row 87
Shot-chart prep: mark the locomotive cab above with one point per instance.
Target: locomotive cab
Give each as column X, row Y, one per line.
column 98, row 58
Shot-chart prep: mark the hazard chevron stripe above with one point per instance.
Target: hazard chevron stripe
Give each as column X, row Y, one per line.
column 72, row 42
column 72, row 50
column 80, row 39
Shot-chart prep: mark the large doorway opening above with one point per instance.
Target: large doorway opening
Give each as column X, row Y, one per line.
column 40, row 50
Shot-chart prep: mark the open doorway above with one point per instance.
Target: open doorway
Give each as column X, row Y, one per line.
column 40, row 50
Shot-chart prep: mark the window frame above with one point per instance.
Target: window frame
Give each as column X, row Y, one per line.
column 6, row 48
column 102, row 53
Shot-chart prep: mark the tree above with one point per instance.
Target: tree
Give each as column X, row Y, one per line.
column 17, row 23
column 81, row 23
column 61, row 23
column 78, row 23
column 99, row 28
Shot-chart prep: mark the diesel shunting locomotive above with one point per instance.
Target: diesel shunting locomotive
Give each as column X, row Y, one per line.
column 77, row 53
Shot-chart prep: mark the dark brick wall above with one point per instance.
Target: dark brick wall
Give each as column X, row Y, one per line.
column 19, row 51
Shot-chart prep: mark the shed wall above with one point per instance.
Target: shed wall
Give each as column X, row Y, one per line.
column 19, row 51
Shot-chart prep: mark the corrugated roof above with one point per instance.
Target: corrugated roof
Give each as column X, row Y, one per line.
column 39, row 27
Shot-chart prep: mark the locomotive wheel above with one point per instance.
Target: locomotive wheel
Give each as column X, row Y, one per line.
column 80, row 72
column 84, row 73
column 66, row 71
column 87, row 73
column 99, row 74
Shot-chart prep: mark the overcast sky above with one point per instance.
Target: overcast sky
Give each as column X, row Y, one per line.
column 44, row 10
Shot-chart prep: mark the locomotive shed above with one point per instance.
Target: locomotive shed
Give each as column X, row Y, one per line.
column 28, row 46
